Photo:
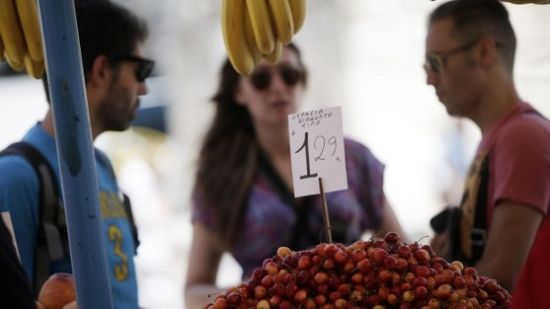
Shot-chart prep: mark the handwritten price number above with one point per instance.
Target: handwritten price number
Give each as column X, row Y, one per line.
column 322, row 139
column 319, row 143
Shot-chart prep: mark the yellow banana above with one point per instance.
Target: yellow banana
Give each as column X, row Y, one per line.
column 250, row 39
column 261, row 25
column 528, row 1
column 1, row 49
column 234, row 37
column 274, row 56
column 28, row 16
column 12, row 36
column 282, row 19
column 34, row 68
column 16, row 66
column 298, row 8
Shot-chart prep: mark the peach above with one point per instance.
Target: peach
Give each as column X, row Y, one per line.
column 71, row 305
column 57, row 291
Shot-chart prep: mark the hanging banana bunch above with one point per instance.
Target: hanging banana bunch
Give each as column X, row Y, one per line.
column 528, row 1
column 20, row 39
column 256, row 29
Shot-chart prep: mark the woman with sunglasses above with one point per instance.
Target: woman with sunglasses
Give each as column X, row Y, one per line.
column 243, row 201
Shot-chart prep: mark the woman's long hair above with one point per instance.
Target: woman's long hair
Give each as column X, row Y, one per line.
column 228, row 157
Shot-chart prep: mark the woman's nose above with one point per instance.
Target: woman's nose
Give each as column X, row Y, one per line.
column 277, row 81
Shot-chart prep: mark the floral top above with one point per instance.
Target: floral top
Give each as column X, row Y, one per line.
column 274, row 218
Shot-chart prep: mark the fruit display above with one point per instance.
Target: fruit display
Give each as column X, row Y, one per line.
column 378, row 273
column 59, row 290
column 20, row 38
column 254, row 29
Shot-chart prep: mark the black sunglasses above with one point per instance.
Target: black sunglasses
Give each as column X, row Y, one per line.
column 144, row 66
column 261, row 79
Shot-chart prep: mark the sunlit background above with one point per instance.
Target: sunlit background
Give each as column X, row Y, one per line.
column 363, row 55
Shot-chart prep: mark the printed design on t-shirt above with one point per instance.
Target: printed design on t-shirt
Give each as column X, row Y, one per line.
column 120, row 269
column 469, row 201
column 112, row 207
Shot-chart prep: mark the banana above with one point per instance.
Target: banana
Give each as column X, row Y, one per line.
column 14, row 44
column 261, row 25
column 298, row 8
column 274, row 56
column 282, row 19
column 34, row 68
column 16, row 66
column 250, row 39
column 234, row 37
column 527, row 1
column 1, row 49
column 28, row 16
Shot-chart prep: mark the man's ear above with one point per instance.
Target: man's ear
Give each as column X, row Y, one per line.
column 100, row 72
column 488, row 52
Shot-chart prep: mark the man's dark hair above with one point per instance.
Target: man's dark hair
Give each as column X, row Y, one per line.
column 105, row 28
column 474, row 19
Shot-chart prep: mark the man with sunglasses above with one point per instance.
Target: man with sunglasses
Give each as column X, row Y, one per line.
column 111, row 39
column 503, row 223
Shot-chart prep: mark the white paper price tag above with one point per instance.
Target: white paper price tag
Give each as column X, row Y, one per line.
column 317, row 150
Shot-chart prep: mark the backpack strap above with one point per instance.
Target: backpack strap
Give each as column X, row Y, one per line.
column 128, row 209
column 299, row 206
column 52, row 240
column 101, row 157
column 478, row 235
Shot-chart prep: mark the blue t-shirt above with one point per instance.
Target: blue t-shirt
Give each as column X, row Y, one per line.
column 19, row 194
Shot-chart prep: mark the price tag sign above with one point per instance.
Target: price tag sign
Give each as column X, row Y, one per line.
column 317, row 150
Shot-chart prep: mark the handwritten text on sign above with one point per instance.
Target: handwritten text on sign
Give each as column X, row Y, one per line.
column 317, row 150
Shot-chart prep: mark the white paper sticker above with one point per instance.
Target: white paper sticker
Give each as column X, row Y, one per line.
column 317, row 150
column 5, row 216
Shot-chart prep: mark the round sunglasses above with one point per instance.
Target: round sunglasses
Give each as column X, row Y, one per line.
column 262, row 78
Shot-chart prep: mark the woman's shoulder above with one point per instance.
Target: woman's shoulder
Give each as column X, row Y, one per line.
column 358, row 150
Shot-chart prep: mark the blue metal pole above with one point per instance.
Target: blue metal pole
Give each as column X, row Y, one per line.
column 75, row 152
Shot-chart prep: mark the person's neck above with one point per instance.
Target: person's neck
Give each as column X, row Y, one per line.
column 48, row 125
column 495, row 102
column 273, row 140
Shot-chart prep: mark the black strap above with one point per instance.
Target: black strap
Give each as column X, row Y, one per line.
column 478, row 235
column 52, row 240
column 299, row 206
column 125, row 201
column 128, row 209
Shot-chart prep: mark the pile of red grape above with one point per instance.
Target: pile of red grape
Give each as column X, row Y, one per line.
column 379, row 273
